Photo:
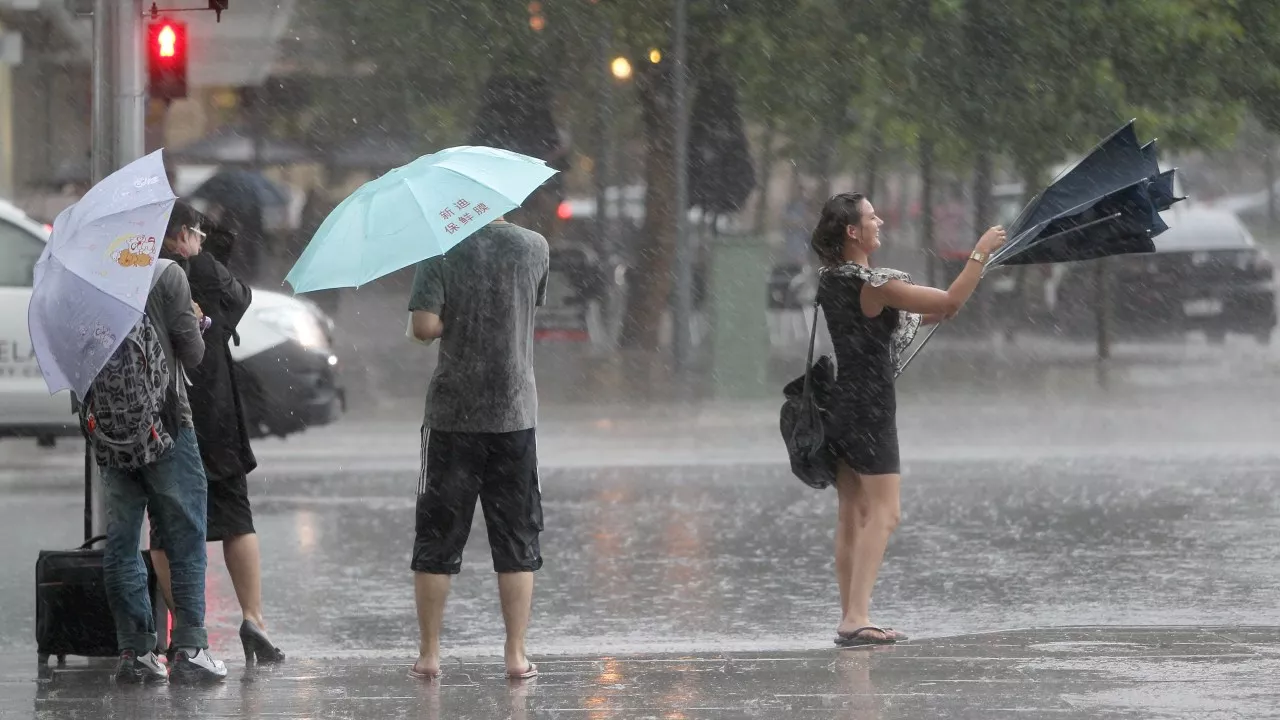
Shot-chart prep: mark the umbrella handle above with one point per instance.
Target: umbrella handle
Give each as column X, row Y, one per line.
column 997, row 262
column 933, row 330
column 915, row 352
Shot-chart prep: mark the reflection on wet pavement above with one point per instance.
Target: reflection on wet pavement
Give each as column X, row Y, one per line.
column 1149, row 672
column 709, row 559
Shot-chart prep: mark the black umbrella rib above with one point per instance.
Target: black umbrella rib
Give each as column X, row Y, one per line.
column 1001, row 257
column 994, row 263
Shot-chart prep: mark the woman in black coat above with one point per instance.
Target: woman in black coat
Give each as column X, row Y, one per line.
column 219, row 417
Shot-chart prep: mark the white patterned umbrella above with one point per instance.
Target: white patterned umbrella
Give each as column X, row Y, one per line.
column 92, row 281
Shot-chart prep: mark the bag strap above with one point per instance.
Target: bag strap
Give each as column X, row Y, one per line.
column 88, row 490
column 808, row 363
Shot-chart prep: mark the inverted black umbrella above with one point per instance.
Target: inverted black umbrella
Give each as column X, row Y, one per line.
column 1108, row 203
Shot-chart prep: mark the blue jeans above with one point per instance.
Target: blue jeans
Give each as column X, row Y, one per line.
column 176, row 490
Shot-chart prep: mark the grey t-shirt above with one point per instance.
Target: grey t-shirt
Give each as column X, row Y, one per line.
column 169, row 307
column 485, row 291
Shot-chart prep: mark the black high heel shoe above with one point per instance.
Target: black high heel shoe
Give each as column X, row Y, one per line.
column 257, row 644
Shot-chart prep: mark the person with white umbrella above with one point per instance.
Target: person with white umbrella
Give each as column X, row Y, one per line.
column 116, row 326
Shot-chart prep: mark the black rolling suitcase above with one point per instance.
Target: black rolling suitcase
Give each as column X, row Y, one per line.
column 72, row 615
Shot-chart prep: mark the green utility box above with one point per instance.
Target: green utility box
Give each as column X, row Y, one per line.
column 738, row 300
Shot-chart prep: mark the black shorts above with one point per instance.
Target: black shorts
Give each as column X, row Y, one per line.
column 501, row 469
column 229, row 514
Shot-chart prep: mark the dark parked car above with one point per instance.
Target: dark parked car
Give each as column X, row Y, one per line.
column 1207, row 274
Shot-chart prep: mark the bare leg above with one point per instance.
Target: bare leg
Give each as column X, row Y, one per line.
column 245, row 568
column 430, row 592
column 161, row 563
column 850, row 518
column 879, row 522
column 516, row 592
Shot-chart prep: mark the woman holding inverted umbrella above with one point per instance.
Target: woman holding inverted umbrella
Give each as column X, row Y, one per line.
column 872, row 315
column 1106, row 204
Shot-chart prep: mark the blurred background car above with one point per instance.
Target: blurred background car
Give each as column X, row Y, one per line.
column 290, row 376
column 1207, row 274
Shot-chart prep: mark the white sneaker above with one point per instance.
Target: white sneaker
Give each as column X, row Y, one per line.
column 135, row 668
column 196, row 669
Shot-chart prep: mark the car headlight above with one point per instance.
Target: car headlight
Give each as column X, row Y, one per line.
column 297, row 324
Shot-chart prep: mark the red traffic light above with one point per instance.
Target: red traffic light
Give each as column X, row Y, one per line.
column 167, row 42
column 167, row 59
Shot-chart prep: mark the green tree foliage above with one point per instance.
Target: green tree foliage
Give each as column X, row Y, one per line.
column 1022, row 83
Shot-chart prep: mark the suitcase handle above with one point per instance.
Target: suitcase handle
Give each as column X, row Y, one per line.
column 89, row 543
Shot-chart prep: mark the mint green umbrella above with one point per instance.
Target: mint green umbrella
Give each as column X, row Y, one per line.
column 414, row 212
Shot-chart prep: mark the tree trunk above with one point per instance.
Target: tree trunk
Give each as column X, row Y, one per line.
column 928, row 239
column 1273, row 197
column 983, row 172
column 824, row 165
column 982, row 212
column 871, row 180
column 1103, row 309
column 651, row 284
column 766, row 172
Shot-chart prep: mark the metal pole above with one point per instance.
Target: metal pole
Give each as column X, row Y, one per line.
column 130, row 96
column 684, row 246
column 130, row 84
column 101, row 164
column 604, row 115
column 101, row 147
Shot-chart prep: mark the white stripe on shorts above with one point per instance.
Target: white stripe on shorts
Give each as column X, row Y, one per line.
column 422, row 475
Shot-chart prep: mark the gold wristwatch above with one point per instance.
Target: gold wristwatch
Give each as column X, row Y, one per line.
column 979, row 256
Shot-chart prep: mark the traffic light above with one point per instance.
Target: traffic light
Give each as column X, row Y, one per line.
column 167, row 59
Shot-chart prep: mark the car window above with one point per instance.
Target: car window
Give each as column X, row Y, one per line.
column 19, row 251
column 1203, row 232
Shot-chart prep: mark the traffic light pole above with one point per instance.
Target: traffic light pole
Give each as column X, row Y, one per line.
column 119, row 88
column 101, row 163
column 118, row 126
column 118, row 117
column 102, row 145
column 130, row 84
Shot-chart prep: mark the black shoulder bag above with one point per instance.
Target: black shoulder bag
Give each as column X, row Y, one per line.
column 803, row 420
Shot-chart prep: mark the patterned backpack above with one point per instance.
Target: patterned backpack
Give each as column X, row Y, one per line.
column 124, row 409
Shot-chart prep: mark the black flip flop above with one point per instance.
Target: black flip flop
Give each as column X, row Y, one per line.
column 857, row 638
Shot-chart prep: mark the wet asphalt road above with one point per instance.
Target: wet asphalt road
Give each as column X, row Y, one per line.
column 689, row 575
column 725, row 558
column 1066, row 674
column 1034, row 496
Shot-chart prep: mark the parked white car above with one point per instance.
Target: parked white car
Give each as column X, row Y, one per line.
column 289, row 375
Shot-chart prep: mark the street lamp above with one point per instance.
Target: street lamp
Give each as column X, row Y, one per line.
column 621, row 68
column 655, row 56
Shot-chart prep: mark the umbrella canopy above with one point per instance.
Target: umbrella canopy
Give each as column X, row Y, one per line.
column 247, row 195
column 1108, row 203
column 239, row 146
column 415, row 212
column 93, row 278
column 242, row 189
column 1122, row 223
column 1116, row 164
